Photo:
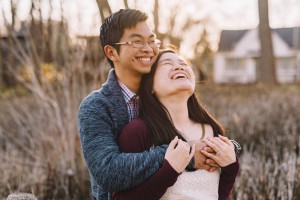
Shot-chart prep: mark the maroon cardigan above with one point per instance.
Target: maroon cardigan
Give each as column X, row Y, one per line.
column 134, row 138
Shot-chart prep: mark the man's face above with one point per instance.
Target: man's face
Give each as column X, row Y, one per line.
column 136, row 61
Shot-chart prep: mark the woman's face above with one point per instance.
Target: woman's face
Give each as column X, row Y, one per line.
column 173, row 76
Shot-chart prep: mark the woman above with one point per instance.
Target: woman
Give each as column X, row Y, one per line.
column 169, row 108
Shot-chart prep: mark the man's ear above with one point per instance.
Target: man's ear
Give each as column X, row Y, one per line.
column 111, row 53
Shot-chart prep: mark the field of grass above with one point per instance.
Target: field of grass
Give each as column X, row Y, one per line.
column 40, row 150
column 266, row 122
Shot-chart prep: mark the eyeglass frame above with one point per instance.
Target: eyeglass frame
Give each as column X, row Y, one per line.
column 156, row 42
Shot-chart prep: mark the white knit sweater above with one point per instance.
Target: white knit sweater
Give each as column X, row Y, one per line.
column 196, row 185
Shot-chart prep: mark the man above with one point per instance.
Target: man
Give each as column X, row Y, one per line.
column 131, row 48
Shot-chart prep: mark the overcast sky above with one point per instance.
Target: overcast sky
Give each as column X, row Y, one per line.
column 238, row 13
column 83, row 15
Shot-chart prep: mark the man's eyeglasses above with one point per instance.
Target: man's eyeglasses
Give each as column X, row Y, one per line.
column 141, row 44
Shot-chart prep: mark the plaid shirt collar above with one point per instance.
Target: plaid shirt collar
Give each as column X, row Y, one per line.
column 128, row 94
column 132, row 101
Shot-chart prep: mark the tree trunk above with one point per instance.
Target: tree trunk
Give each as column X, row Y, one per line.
column 104, row 9
column 13, row 14
column 266, row 70
column 126, row 4
column 156, row 17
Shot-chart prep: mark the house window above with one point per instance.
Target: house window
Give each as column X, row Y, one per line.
column 287, row 64
column 286, row 69
column 235, row 64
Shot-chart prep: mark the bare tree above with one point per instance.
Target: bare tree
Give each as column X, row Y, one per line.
column 266, row 68
column 155, row 16
column 175, row 24
column 6, row 57
column 201, row 46
column 104, row 9
column 36, row 28
column 126, row 3
column 13, row 13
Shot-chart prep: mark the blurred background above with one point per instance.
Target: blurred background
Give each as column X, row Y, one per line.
column 246, row 55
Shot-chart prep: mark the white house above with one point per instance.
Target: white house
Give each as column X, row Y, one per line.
column 239, row 52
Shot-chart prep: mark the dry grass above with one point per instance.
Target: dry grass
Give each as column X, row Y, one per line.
column 40, row 151
column 266, row 121
column 39, row 144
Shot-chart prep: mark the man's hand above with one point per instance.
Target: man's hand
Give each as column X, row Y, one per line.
column 202, row 161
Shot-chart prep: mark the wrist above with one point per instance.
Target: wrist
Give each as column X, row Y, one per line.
column 237, row 147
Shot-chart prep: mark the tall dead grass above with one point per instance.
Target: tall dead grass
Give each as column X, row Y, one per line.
column 41, row 153
column 266, row 121
column 39, row 144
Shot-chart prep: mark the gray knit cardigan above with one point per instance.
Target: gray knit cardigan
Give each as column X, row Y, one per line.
column 102, row 115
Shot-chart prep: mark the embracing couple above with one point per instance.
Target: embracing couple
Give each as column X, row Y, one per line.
column 144, row 134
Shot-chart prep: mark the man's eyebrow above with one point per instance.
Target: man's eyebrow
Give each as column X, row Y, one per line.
column 140, row 36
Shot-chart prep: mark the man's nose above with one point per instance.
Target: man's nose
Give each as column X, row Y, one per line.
column 147, row 47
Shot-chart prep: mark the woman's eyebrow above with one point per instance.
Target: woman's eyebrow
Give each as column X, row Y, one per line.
column 165, row 60
column 180, row 60
column 170, row 60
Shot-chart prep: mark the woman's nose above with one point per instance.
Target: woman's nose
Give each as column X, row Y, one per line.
column 178, row 68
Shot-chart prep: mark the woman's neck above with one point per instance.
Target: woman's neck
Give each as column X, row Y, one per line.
column 177, row 107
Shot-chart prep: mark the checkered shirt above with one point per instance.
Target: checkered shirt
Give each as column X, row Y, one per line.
column 132, row 100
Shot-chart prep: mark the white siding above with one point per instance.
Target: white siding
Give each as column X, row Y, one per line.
column 247, row 49
column 234, row 70
column 286, row 70
column 219, row 67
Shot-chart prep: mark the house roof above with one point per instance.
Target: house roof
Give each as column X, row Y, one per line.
column 229, row 38
column 290, row 35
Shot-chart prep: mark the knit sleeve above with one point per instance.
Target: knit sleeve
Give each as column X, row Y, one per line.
column 110, row 168
column 134, row 138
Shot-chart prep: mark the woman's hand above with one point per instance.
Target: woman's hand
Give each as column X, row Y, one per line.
column 224, row 149
column 202, row 161
column 179, row 156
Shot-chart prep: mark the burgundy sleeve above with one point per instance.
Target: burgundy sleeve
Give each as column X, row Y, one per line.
column 227, row 179
column 134, row 138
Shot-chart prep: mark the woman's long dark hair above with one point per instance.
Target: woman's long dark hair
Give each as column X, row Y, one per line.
column 157, row 118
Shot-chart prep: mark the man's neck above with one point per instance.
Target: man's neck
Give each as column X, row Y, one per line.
column 131, row 82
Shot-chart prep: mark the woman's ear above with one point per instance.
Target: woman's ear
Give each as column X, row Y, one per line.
column 111, row 53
